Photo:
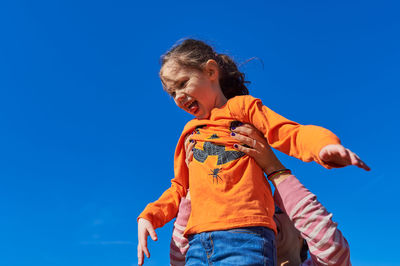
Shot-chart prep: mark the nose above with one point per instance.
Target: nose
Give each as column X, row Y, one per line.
column 180, row 96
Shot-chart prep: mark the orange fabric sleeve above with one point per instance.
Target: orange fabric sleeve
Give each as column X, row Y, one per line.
column 166, row 207
column 301, row 141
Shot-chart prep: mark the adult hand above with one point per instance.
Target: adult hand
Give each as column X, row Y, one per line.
column 256, row 146
column 145, row 228
column 189, row 145
column 253, row 144
column 335, row 155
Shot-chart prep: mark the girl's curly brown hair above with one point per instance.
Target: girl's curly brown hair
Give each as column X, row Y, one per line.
column 195, row 54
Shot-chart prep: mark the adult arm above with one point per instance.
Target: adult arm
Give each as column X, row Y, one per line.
column 179, row 243
column 326, row 243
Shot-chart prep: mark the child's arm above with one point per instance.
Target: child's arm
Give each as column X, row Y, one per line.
column 305, row 142
column 333, row 155
column 158, row 213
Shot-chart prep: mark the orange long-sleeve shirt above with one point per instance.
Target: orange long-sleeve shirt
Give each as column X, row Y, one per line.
column 228, row 188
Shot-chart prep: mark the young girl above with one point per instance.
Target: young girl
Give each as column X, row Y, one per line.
column 231, row 219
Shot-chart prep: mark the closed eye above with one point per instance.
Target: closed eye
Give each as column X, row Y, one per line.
column 182, row 84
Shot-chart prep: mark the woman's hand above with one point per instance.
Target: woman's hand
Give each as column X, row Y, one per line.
column 145, row 228
column 335, row 155
column 256, row 146
column 189, row 145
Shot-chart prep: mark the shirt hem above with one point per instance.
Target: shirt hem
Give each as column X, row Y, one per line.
column 231, row 224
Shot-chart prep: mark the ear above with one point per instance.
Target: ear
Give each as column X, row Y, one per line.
column 211, row 69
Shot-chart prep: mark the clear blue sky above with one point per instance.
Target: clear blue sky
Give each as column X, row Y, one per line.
column 83, row 117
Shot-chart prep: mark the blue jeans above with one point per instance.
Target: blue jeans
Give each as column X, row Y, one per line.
column 240, row 246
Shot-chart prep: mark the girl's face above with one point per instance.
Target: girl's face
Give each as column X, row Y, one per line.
column 197, row 92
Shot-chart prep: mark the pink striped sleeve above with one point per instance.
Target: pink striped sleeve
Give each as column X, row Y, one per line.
column 179, row 243
column 326, row 243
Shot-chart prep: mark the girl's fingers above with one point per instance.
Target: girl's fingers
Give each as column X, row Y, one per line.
column 324, row 155
column 335, row 155
column 365, row 166
column 143, row 244
column 145, row 228
column 353, row 159
column 359, row 163
column 139, row 254
column 146, row 251
column 344, row 154
column 152, row 232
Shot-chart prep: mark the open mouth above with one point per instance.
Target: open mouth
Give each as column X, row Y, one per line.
column 192, row 106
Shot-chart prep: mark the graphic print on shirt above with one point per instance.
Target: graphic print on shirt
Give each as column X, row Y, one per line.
column 215, row 175
column 219, row 150
column 211, row 149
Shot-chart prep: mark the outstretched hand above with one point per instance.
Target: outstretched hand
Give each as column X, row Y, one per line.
column 145, row 228
column 336, row 156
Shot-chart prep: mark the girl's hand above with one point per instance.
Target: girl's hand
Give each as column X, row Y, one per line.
column 257, row 147
column 145, row 228
column 335, row 155
column 189, row 145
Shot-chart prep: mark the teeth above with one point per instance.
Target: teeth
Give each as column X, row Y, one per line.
column 188, row 104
